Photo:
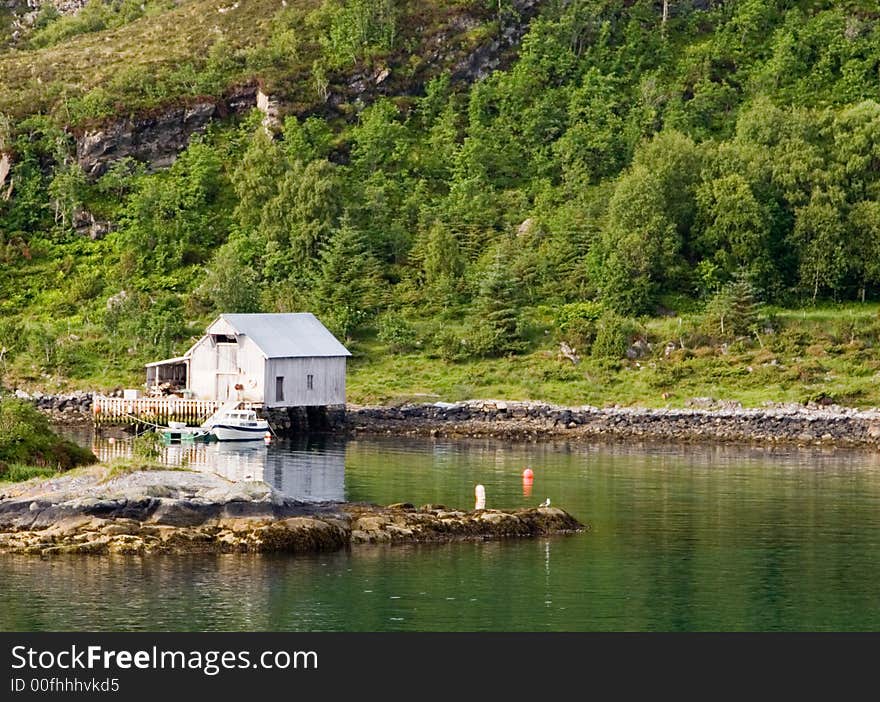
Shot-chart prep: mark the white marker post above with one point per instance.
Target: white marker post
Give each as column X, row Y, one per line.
column 480, row 495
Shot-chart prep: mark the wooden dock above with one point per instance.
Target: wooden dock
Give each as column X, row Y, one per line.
column 154, row 410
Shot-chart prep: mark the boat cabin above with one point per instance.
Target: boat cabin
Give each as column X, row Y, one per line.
column 241, row 417
column 276, row 360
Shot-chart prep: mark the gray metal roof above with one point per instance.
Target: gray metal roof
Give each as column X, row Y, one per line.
column 167, row 362
column 287, row 335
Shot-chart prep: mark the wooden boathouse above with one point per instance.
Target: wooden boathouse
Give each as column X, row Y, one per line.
column 263, row 361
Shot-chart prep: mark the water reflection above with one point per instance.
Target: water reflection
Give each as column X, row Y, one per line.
column 312, row 469
column 308, row 469
column 682, row 538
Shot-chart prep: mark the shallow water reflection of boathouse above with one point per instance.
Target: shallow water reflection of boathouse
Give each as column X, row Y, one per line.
column 311, row 469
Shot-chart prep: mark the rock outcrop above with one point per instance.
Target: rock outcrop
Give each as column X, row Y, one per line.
column 492, row 55
column 155, row 139
column 66, row 408
column 164, row 511
column 86, row 224
column 5, row 168
column 269, row 106
column 431, row 523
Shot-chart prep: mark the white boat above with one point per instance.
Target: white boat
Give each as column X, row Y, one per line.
column 179, row 431
column 239, row 425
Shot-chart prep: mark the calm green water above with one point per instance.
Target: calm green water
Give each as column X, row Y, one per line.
column 682, row 538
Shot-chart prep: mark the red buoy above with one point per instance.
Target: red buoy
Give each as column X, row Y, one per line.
column 528, row 474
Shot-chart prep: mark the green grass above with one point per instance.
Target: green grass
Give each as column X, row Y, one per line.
column 125, row 466
column 825, row 352
column 850, row 379
column 154, row 46
column 17, row 473
column 206, row 47
column 829, row 351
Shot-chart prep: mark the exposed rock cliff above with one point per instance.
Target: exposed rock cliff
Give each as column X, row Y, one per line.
column 156, row 139
column 5, row 167
column 69, row 7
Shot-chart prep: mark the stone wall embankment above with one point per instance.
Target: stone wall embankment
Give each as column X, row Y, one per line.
column 786, row 424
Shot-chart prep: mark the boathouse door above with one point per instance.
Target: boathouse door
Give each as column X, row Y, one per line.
column 227, row 371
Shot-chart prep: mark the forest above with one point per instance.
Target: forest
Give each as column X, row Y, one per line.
column 684, row 196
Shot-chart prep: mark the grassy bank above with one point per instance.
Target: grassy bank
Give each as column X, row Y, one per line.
column 17, row 473
column 81, row 72
column 826, row 353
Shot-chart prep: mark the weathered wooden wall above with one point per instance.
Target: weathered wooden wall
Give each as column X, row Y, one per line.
column 202, row 368
column 211, row 373
column 328, row 385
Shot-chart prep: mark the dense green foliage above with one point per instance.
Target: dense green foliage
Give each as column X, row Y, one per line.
column 27, row 440
column 620, row 167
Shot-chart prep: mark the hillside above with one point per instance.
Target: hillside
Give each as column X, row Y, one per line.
column 112, row 64
column 684, row 193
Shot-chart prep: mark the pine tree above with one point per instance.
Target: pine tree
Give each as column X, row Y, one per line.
column 498, row 327
column 443, row 264
column 349, row 287
column 735, row 309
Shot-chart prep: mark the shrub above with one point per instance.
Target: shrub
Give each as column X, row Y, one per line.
column 577, row 323
column 488, row 341
column 25, row 438
column 666, row 375
column 613, row 334
column 397, row 333
column 452, row 345
column 791, row 341
column 357, row 28
column 155, row 321
column 147, row 445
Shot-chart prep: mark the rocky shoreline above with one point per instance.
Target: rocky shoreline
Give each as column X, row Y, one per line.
column 91, row 511
column 67, row 408
column 705, row 421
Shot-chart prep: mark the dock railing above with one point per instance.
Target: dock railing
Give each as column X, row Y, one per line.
column 154, row 410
